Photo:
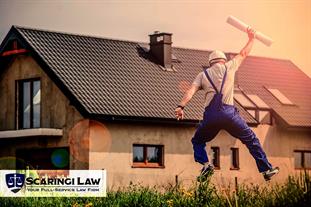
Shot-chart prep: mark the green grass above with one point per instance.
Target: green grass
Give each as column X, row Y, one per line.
column 296, row 191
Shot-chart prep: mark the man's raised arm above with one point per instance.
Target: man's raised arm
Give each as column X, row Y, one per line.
column 247, row 48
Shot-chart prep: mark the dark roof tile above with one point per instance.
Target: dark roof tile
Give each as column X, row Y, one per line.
column 114, row 77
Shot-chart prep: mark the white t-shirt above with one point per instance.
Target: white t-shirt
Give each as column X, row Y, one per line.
column 216, row 73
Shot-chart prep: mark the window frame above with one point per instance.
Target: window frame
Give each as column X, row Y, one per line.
column 254, row 98
column 302, row 153
column 273, row 91
column 217, row 158
column 257, row 109
column 235, row 151
column 243, row 95
column 147, row 164
column 19, row 117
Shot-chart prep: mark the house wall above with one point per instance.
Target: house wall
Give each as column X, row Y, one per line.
column 108, row 146
column 56, row 111
column 278, row 143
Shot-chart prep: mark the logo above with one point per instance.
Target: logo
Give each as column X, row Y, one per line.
column 15, row 181
column 52, row 183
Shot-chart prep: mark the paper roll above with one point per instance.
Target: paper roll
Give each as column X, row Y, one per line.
column 243, row 27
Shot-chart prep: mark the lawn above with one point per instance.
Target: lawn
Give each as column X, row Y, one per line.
column 296, row 191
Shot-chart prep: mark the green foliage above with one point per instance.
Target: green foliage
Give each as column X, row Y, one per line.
column 296, row 191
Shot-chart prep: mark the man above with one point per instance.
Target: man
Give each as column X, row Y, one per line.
column 218, row 83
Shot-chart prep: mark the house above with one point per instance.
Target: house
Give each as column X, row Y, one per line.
column 78, row 102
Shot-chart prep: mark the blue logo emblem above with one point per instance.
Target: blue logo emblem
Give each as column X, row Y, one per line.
column 15, row 181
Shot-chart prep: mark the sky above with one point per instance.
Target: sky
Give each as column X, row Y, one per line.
column 197, row 24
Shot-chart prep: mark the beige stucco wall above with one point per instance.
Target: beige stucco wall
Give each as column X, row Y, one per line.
column 279, row 145
column 56, row 111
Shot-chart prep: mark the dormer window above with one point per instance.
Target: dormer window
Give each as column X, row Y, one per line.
column 29, row 104
column 254, row 105
column 280, row 96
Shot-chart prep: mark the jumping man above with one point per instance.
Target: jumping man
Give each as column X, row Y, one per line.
column 220, row 113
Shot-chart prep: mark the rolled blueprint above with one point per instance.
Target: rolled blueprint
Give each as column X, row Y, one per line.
column 243, row 27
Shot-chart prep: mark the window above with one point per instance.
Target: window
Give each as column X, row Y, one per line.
column 262, row 113
column 254, row 105
column 43, row 158
column 29, row 104
column 258, row 101
column 148, row 155
column 235, row 159
column 302, row 159
column 280, row 96
column 244, row 101
column 216, row 157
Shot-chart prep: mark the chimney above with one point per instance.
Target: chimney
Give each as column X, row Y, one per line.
column 161, row 48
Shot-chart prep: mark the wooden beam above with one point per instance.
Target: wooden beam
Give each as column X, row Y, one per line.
column 14, row 52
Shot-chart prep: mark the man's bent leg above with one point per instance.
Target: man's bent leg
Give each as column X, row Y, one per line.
column 200, row 154
column 202, row 135
column 239, row 129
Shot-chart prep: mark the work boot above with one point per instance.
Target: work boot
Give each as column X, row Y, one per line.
column 269, row 173
column 206, row 172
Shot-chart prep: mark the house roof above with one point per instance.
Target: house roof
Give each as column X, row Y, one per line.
column 115, row 78
column 258, row 74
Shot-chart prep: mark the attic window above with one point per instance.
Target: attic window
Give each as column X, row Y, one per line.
column 280, row 96
column 243, row 100
column 258, row 101
column 254, row 105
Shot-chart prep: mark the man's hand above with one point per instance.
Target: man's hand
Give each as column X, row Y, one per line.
column 251, row 33
column 179, row 113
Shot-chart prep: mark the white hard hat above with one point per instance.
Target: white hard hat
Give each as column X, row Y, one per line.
column 215, row 55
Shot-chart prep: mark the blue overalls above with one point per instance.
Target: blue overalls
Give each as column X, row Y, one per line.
column 217, row 116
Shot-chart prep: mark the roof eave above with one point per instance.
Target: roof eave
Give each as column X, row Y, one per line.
column 284, row 124
column 299, row 128
column 138, row 119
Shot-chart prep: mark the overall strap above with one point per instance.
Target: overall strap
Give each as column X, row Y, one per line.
column 223, row 80
column 210, row 80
